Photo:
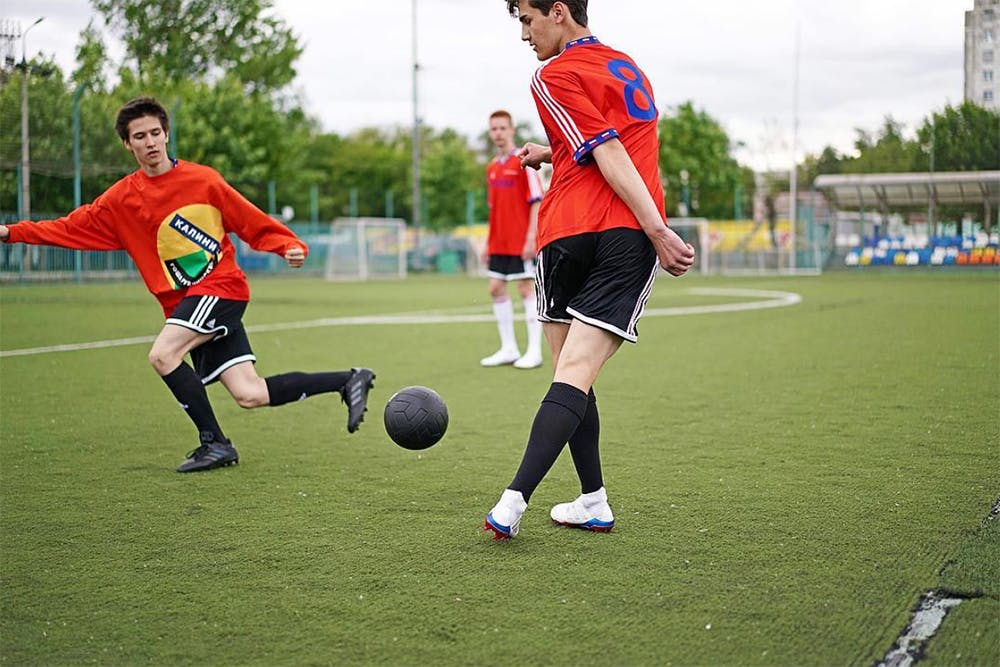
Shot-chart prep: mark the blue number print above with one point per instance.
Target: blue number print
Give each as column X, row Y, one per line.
column 620, row 69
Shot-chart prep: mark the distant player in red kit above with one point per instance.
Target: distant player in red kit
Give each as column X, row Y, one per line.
column 602, row 236
column 173, row 218
column 513, row 194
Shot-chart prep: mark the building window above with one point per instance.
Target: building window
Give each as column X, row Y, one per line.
column 988, row 56
column 987, row 96
column 987, row 75
column 988, row 15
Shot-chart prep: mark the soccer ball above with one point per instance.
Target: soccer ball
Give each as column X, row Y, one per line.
column 416, row 417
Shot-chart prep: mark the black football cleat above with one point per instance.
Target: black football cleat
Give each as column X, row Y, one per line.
column 355, row 394
column 210, row 454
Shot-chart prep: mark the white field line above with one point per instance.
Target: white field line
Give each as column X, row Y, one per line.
column 923, row 624
column 925, row 621
column 769, row 299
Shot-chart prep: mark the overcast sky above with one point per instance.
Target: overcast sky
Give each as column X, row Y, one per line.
column 859, row 60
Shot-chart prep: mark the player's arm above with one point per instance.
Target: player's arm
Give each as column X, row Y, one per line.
column 618, row 170
column 534, row 187
column 260, row 230
column 86, row 228
column 530, row 249
column 533, row 155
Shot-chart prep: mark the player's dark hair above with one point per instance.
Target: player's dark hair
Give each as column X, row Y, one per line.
column 139, row 108
column 577, row 8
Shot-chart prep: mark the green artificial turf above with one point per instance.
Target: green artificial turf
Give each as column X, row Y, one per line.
column 787, row 484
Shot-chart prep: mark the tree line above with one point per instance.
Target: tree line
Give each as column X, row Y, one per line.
column 224, row 69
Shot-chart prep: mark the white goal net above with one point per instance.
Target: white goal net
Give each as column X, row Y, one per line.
column 366, row 248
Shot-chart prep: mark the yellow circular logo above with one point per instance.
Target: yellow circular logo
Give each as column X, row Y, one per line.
column 189, row 243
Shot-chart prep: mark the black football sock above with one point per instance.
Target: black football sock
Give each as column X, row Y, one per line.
column 187, row 388
column 557, row 418
column 585, row 448
column 290, row 387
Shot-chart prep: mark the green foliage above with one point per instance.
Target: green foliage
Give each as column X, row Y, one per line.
column 91, row 60
column 374, row 161
column 197, row 39
column 692, row 140
column 50, row 99
column 890, row 152
column 961, row 138
column 370, row 162
column 223, row 69
column 964, row 138
column 449, row 170
column 228, row 111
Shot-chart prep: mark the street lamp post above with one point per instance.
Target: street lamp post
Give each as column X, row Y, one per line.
column 25, row 155
column 415, row 148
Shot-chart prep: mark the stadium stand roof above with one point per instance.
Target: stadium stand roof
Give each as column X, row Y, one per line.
column 891, row 191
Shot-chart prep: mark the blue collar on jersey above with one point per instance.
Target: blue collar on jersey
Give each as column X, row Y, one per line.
column 589, row 39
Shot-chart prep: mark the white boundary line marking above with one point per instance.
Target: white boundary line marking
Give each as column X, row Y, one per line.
column 770, row 299
column 925, row 620
column 923, row 624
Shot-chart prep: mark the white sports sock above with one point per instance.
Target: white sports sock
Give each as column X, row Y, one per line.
column 534, row 326
column 594, row 497
column 513, row 499
column 504, row 311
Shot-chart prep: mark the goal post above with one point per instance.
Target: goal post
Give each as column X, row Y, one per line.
column 366, row 249
column 743, row 248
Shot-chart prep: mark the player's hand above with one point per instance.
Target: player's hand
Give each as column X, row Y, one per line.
column 4, row 233
column 529, row 250
column 295, row 257
column 533, row 155
column 676, row 256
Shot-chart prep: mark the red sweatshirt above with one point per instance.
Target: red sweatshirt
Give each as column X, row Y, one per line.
column 176, row 229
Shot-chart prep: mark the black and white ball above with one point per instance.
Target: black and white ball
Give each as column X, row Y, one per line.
column 416, row 417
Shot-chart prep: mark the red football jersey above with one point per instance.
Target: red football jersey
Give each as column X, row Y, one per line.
column 510, row 192
column 589, row 94
column 175, row 227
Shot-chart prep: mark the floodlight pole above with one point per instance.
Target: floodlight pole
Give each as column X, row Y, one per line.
column 25, row 153
column 416, row 138
column 794, row 176
column 930, row 186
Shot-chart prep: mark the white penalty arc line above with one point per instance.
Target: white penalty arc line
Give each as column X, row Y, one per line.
column 769, row 299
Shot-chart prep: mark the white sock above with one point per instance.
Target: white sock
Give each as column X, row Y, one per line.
column 534, row 326
column 594, row 497
column 513, row 499
column 504, row 311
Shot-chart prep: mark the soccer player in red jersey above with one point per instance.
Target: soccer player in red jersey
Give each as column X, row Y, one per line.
column 602, row 235
column 174, row 218
column 513, row 194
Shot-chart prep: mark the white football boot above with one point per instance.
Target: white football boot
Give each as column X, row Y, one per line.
column 590, row 511
column 505, row 517
column 502, row 357
column 531, row 359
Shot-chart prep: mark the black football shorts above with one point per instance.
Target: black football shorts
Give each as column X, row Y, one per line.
column 601, row 278
column 224, row 318
column 511, row 267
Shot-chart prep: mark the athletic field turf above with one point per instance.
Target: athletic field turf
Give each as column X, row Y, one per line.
column 788, row 483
